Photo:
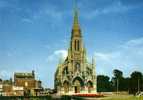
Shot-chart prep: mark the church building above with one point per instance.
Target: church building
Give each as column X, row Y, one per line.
column 75, row 74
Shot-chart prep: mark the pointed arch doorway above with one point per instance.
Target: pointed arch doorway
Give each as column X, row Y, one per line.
column 66, row 87
column 78, row 84
column 89, row 86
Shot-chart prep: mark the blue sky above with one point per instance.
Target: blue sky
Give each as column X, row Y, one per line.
column 34, row 34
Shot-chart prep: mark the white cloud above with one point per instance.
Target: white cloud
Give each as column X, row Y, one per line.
column 4, row 4
column 4, row 74
column 134, row 43
column 54, row 14
column 61, row 53
column 115, row 7
column 57, row 55
column 26, row 20
column 9, row 54
column 102, row 56
column 127, row 58
column 50, row 13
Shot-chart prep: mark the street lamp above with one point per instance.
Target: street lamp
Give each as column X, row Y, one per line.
column 117, row 86
column 138, row 85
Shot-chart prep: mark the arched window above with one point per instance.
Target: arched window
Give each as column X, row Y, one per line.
column 75, row 45
column 78, row 46
column 65, row 71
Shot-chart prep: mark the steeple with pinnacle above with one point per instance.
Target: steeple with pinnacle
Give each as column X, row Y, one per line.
column 75, row 74
column 76, row 37
column 76, row 32
column 76, row 52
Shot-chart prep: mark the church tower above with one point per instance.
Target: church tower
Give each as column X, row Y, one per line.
column 76, row 52
column 75, row 74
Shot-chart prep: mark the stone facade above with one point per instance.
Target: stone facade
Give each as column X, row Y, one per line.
column 28, row 82
column 75, row 74
column 24, row 84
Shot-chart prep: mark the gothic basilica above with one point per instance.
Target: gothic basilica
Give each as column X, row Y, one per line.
column 75, row 74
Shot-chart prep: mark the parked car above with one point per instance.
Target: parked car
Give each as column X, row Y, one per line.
column 139, row 94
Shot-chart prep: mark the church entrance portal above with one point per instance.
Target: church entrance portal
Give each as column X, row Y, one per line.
column 66, row 87
column 77, row 86
column 90, row 86
column 78, row 83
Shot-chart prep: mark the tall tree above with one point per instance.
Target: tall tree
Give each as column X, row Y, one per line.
column 103, row 83
column 136, row 82
column 117, row 73
column 118, row 80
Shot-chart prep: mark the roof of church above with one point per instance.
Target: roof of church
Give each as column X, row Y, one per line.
column 7, row 82
column 24, row 75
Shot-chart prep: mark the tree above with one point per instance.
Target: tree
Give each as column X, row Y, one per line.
column 117, row 73
column 118, row 80
column 135, row 82
column 103, row 83
column 125, row 84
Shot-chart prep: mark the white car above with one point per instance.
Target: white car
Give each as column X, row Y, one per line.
column 140, row 94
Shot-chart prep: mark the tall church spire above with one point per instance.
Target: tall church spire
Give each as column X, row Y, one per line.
column 76, row 27
column 76, row 74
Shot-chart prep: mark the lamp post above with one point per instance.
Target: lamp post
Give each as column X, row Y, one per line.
column 138, row 85
column 117, row 86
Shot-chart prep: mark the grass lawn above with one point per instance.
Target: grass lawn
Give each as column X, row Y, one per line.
column 122, row 97
column 112, row 97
